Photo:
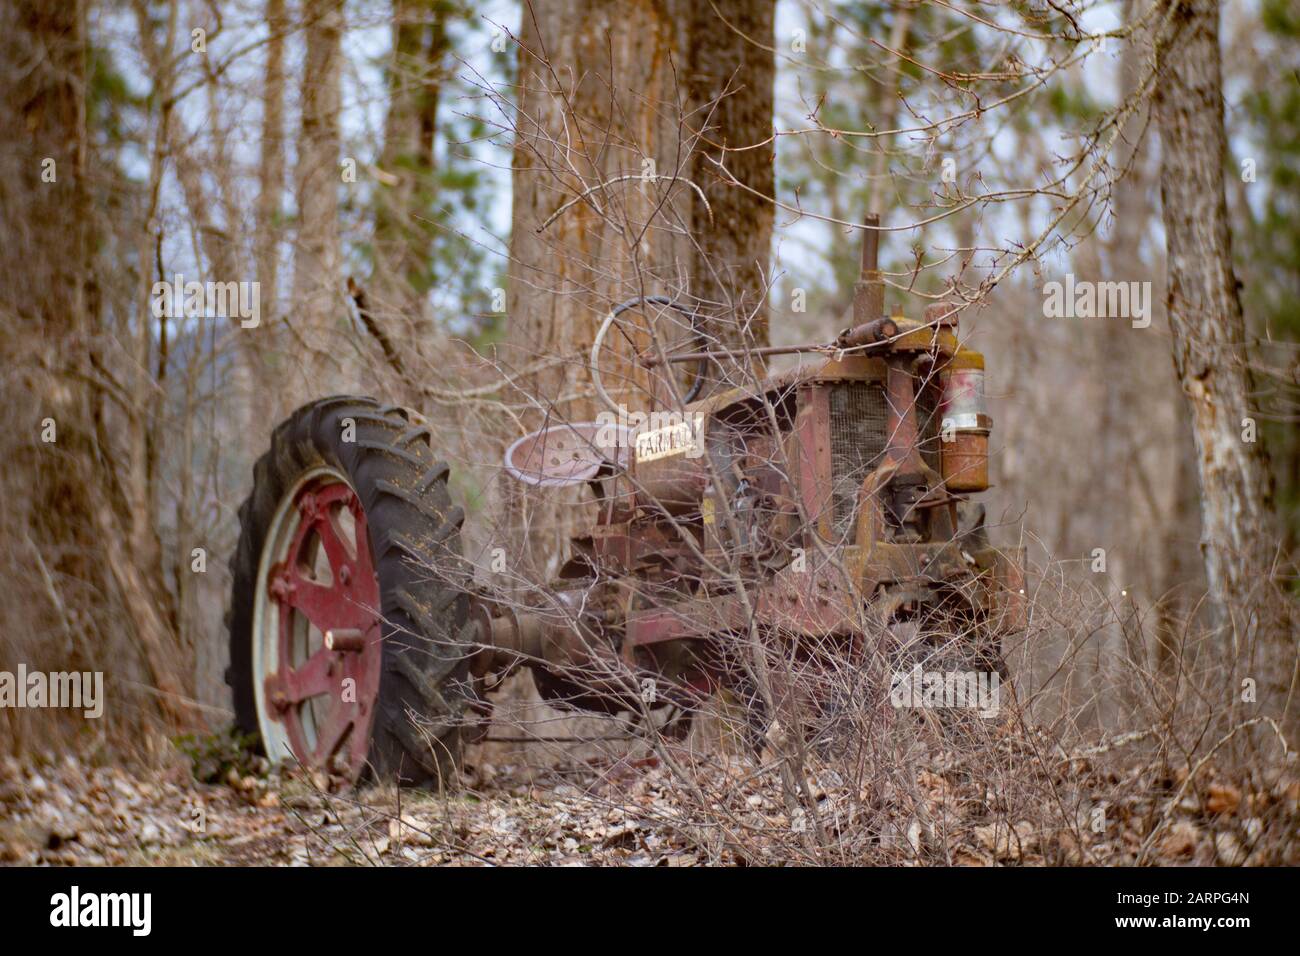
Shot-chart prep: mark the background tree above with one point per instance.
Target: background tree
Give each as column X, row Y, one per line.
column 1264, row 197
column 1208, row 329
column 624, row 113
column 403, row 243
column 317, row 315
column 79, row 519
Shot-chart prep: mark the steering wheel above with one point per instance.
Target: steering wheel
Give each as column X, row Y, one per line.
column 690, row 382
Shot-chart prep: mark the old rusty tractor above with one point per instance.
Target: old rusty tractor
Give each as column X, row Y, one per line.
column 820, row 516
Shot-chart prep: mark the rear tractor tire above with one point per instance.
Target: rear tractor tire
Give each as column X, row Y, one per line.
column 349, row 634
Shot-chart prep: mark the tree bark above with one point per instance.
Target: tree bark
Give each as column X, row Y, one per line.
column 621, row 106
column 404, row 197
column 270, row 185
column 317, row 293
column 63, row 495
column 596, row 99
column 1239, row 533
column 732, row 73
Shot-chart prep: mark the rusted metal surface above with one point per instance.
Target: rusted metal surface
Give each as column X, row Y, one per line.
column 868, row 333
column 966, row 423
column 966, row 461
column 902, row 450
column 869, row 290
column 812, row 437
column 675, row 482
column 759, row 492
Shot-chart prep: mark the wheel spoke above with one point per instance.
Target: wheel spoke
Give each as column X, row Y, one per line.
column 337, row 721
column 336, row 548
column 358, row 748
column 329, row 607
column 310, row 680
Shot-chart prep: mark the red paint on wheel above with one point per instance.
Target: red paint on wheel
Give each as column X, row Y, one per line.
column 348, row 601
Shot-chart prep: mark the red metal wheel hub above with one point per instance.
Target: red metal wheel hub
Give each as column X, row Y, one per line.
column 326, row 684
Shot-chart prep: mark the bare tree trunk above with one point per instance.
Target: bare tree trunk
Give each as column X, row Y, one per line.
column 317, row 305
column 597, row 102
column 1239, row 533
column 1116, row 507
column 1179, row 554
column 624, row 89
column 622, row 106
column 271, row 170
column 403, row 235
column 733, row 73
column 93, row 534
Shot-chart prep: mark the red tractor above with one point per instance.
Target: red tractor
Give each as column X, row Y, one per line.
column 821, row 516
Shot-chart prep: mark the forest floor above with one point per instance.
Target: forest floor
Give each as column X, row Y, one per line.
column 626, row 812
column 61, row 813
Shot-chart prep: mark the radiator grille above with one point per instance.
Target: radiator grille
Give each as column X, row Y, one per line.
column 858, row 436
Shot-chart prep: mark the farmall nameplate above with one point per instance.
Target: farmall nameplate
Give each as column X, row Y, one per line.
column 678, row 439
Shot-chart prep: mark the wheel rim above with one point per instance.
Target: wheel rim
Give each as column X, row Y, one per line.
column 317, row 634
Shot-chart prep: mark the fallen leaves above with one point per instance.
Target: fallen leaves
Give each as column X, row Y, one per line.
column 1222, row 798
column 937, row 809
column 1181, row 840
